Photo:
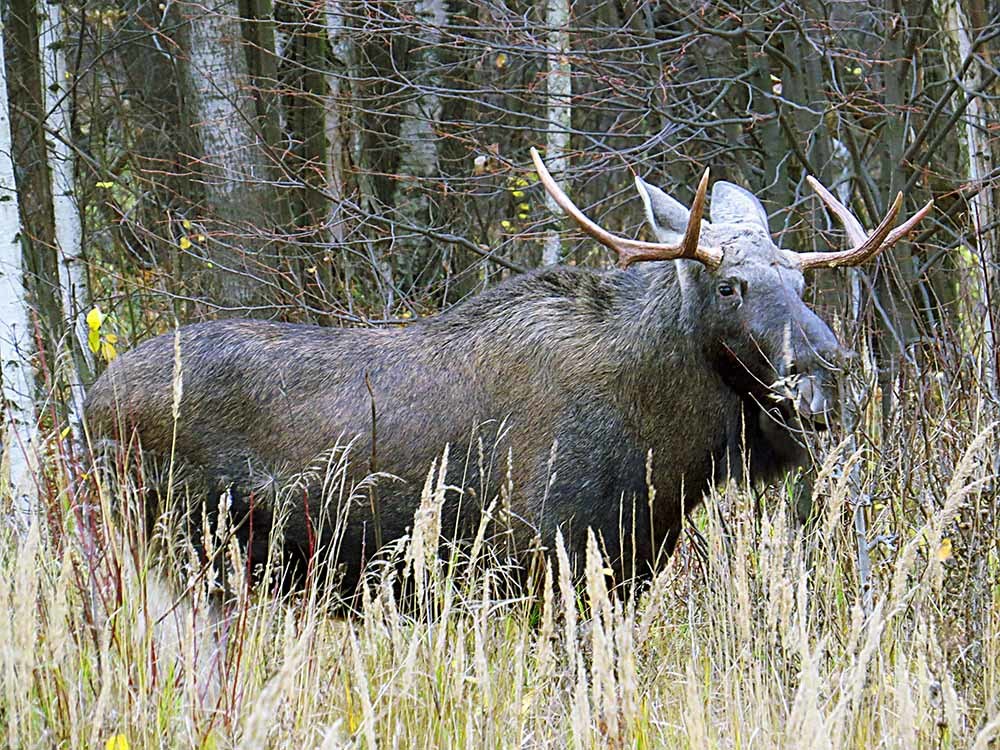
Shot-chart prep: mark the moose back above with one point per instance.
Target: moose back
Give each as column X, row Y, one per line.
column 697, row 355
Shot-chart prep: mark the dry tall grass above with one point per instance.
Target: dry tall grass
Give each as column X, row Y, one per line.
column 763, row 642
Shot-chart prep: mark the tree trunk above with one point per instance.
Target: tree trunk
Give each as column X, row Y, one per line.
column 341, row 135
column 337, row 128
column 19, row 442
column 232, row 164
column 27, row 118
column 559, row 90
column 981, row 160
column 895, row 285
column 68, row 227
column 418, row 141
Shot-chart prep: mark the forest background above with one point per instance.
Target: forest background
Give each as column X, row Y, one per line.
column 366, row 164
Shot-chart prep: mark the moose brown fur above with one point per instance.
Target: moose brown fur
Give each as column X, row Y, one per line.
column 703, row 357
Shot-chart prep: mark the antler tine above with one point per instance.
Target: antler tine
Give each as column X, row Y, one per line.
column 866, row 246
column 907, row 226
column 689, row 245
column 855, row 232
column 631, row 251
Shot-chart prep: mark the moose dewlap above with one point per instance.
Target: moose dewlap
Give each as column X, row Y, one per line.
column 552, row 389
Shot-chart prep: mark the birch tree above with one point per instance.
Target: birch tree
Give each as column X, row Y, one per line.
column 558, row 93
column 66, row 215
column 342, row 138
column 231, row 165
column 418, row 141
column 980, row 115
column 339, row 85
column 15, row 333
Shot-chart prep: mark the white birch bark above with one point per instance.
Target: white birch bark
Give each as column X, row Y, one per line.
column 422, row 111
column 19, row 440
column 338, row 84
column 416, row 130
column 68, row 227
column 232, row 169
column 978, row 125
column 978, row 119
column 559, row 90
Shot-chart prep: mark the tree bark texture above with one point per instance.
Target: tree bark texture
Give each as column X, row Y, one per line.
column 19, row 440
column 232, row 164
column 73, row 282
column 559, row 90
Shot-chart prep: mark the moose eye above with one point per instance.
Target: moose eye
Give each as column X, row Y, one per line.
column 726, row 289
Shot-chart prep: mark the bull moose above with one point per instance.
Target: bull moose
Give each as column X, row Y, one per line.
column 578, row 388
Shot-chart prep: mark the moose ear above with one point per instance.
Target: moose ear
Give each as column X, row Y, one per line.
column 665, row 215
column 732, row 204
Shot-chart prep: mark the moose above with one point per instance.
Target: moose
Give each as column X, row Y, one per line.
column 589, row 399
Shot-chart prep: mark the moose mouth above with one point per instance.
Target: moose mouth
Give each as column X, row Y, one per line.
column 805, row 399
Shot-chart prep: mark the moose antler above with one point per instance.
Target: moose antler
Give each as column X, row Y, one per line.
column 632, row 251
column 865, row 245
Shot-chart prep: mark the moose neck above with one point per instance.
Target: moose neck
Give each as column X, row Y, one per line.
column 667, row 313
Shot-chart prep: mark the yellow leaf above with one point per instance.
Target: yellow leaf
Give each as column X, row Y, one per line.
column 111, row 338
column 93, row 340
column 104, row 184
column 944, row 551
column 66, row 432
column 186, row 224
column 108, row 351
column 505, row 224
column 118, row 742
column 857, row 71
column 522, row 216
column 94, row 319
column 311, row 269
column 185, row 243
column 524, row 206
column 200, row 238
column 501, row 60
column 517, row 193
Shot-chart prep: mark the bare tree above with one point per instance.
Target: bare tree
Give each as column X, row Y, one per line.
column 19, row 442
column 73, row 282
column 340, row 137
column 418, row 139
column 29, row 153
column 559, row 89
column 232, row 164
column 982, row 154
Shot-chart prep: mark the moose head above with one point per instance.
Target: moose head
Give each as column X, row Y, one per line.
column 743, row 294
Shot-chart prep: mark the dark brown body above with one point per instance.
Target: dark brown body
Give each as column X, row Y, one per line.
column 551, row 391
column 591, row 360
